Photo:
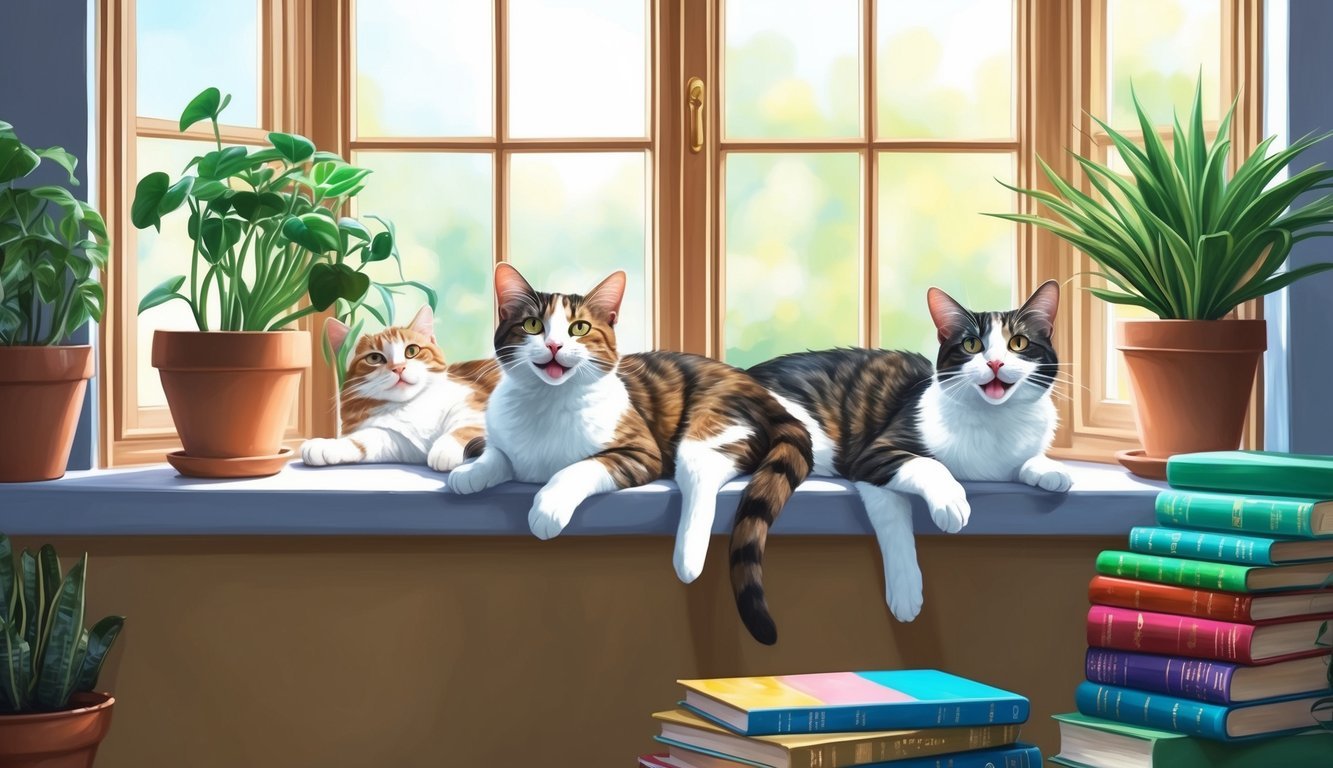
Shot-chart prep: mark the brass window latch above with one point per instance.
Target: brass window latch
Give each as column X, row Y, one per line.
column 694, row 97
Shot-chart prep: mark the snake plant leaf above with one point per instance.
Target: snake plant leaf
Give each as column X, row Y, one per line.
column 165, row 291
column 204, row 106
column 76, row 665
column 15, row 668
column 330, row 282
column 148, row 196
column 295, row 148
column 100, row 639
column 60, row 640
column 9, row 587
column 313, row 232
column 32, row 598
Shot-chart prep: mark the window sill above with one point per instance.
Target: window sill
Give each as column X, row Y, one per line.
column 394, row 500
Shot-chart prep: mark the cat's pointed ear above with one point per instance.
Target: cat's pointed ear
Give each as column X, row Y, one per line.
column 605, row 298
column 1039, row 309
column 512, row 292
column 949, row 315
column 424, row 323
column 337, row 331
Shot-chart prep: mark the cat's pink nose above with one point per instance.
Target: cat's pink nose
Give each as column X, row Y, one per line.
column 554, row 346
column 995, row 366
column 398, row 368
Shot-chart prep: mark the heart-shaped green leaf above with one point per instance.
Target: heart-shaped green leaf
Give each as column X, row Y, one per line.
column 253, row 207
column 223, row 163
column 217, row 236
column 353, row 228
column 16, row 160
column 330, row 282
column 175, row 195
column 165, row 291
column 209, row 189
column 312, row 232
column 296, row 149
column 205, row 106
column 147, row 197
column 380, row 248
column 63, row 159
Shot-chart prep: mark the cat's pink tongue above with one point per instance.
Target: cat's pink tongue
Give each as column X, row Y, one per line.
column 553, row 369
column 994, row 389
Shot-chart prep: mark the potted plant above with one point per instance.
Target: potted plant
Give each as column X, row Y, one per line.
column 1188, row 240
column 51, row 714
column 51, row 245
column 268, row 235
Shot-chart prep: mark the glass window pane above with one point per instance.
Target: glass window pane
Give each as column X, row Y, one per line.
column 578, row 68
column 161, row 255
column 1163, row 58
column 576, row 217
column 442, row 207
column 793, row 253
column 945, row 69
column 931, row 233
column 792, row 69
column 424, row 68
column 1117, row 376
column 181, row 51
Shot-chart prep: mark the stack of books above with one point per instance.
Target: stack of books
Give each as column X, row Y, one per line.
column 1204, row 637
column 902, row 718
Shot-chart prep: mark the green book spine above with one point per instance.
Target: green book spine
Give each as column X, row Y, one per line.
column 1253, row 472
column 1174, row 570
column 1273, row 516
column 1174, row 750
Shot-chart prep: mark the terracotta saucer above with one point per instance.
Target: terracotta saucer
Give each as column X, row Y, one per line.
column 245, row 466
column 1143, row 466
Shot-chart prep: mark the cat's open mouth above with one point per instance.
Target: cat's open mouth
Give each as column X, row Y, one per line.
column 552, row 368
column 995, row 389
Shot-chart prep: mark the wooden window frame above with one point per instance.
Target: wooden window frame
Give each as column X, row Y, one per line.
column 307, row 59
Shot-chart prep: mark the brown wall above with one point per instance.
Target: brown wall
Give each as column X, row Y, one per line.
column 245, row 652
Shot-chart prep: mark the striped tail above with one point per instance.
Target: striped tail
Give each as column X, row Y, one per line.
column 785, row 467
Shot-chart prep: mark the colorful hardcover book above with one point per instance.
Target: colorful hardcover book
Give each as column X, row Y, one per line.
column 1253, row 472
column 1090, row 742
column 1126, row 629
column 1226, row 547
column 1226, row 577
column 1014, row 756
column 1216, row 682
column 1196, row 718
column 851, row 701
column 1224, row 606
column 1269, row 515
column 682, row 728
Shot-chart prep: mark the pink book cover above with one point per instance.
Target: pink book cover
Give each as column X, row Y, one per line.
column 1126, row 629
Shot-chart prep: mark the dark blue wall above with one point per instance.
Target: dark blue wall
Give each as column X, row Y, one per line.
column 44, row 94
column 1310, row 109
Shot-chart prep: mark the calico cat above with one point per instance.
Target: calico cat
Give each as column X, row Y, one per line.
column 895, row 424
column 571, row 413
column 402, row 403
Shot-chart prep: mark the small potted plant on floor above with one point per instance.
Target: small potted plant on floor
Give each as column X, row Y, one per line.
column 51, row 246
column 270, row 246
column 51, row 715
column 1190, row 241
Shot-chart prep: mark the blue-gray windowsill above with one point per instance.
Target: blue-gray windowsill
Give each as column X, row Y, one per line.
column 394, row 500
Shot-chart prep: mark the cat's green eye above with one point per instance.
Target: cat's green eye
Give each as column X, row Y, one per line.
column 1018, row 343
column 375, row 358
column 412, row 350
column 532, row 325
column 579, row 328
column 971, row 345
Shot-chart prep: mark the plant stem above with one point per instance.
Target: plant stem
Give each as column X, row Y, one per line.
column 298, row 314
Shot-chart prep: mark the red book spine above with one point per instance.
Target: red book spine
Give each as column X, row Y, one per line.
column 1129, row 630
column 1167, row 598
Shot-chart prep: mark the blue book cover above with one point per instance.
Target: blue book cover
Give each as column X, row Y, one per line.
column 1013, row 756
column 1242, row 549
column 852, row 701
column 1290, row 714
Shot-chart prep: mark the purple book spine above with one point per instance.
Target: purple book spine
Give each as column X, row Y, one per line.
column 1196, row 679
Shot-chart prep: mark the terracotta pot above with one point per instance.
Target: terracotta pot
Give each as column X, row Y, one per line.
column 230, row 393
column 65, row 739
column 1192, row 381
column 42, row 391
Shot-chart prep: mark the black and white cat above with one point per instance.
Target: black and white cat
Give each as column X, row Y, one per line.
column 894, row 424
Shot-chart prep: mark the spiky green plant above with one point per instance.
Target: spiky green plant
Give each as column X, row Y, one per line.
column 45, row 653
column 1182, row 237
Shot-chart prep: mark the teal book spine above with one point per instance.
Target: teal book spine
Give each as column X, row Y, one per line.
column 1152, row 710
column 1267, row 515
column 1202, row 545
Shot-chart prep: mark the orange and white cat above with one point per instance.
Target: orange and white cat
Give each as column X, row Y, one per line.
column 403, row 404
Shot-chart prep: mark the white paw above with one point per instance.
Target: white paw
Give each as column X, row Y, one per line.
column 550, row 514
column 902, row 590
column 1041, row 472
column 689, row 559
column 468, row 478
column 948, row 507
column 323, row 451
column 445, row 455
